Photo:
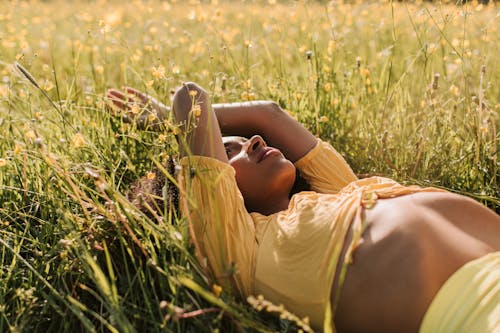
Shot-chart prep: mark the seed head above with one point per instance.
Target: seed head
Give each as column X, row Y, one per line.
column 26, row 74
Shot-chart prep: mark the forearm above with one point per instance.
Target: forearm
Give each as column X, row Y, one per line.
column 267, row 119
column 201, row 134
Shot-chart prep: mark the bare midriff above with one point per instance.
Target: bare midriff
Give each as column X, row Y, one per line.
column 411, row 246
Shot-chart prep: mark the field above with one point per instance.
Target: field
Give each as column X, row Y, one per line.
column 405, row 90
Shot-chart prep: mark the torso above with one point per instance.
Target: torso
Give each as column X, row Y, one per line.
column 411, row 246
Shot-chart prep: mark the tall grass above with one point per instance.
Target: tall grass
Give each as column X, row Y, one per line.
column 405, row 90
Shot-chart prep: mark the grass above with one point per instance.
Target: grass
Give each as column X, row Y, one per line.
column 405, row 90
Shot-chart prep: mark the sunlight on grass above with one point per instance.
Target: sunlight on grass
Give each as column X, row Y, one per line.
column 405, row 90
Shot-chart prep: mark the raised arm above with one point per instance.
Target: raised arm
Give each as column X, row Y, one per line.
column 265, row 118
column 201, row 134
column 268, row 120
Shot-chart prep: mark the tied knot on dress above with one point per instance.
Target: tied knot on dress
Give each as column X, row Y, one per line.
column 369, row 199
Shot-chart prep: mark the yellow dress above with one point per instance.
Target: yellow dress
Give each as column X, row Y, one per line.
column 289, row 257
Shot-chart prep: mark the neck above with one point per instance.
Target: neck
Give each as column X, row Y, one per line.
column 271, row 205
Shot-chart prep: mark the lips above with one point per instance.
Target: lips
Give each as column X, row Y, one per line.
column 266, row 152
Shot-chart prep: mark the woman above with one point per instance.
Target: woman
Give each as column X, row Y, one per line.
column 353, row 255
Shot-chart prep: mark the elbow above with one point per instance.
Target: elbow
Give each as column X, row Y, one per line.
column 273, row 108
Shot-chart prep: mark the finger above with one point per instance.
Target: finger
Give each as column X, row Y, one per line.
column 117, row 99
column 116, row 94
column 118, row 104
column 142, row 96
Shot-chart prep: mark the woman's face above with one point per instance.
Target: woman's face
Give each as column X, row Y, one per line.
column 262, row 172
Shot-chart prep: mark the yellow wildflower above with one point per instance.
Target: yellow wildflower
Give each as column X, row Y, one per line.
column 135, row 109
column 17, row 149
column 196, row 110
column 158, row 72
column 150, row 175
column 3, row 162
column 99, row 69
column 48, row 85
column 151, row 117
column 30, row 135
column 78, row 140
column 454, row 90
column 217, row 290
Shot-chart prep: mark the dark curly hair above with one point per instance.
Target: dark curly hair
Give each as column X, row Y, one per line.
column 156, row 195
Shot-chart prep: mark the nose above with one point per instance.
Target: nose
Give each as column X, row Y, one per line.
column 255, row 143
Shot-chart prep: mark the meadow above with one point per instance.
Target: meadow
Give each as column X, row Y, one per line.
column 404, row 90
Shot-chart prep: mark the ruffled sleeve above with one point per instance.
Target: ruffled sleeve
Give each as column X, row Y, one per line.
column 325, row 169
column 221, row 228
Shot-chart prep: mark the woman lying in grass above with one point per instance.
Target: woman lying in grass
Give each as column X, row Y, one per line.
column 353, row 255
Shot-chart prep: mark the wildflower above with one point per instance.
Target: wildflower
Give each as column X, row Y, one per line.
column 48, row 85
column 150, row 175
column 3, row 162
column 454, row 90
column 193, row 93
column 196, row 110
column 105, row 27
column 323, row 119
column 158, row 72
column 152, row 117
column 327, row 86
column 30, row 135
column 17, row 149
column 163, row 304
column 332, row 45
column 78, row 140
column 162, row 138
column 217, row 290
column 135, row 109
column 99, row 69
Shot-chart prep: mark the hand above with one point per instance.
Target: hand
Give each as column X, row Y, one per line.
column 137, row 107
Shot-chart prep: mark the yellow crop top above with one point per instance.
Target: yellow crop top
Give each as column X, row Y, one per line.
column 289, row 257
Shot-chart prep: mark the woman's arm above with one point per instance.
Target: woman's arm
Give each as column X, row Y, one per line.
column 201, row 134
column 246, row 119
column 267, row 119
